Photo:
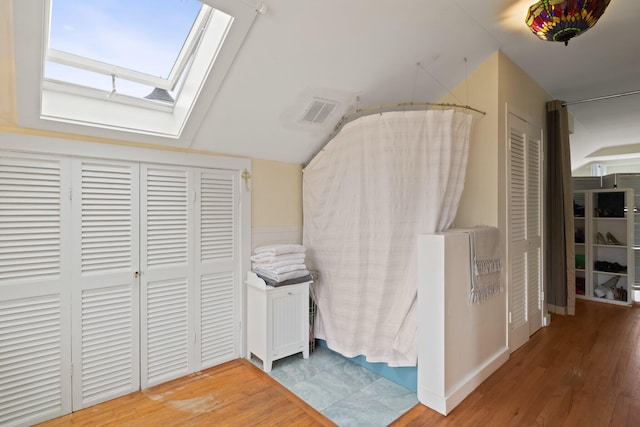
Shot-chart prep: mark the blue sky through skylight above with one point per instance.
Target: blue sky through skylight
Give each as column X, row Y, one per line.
column 87, row 44
column 142, row 35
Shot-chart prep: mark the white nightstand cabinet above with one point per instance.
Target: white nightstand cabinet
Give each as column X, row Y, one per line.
column 277, row 320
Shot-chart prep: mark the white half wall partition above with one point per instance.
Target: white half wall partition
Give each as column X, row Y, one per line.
column 459, row 343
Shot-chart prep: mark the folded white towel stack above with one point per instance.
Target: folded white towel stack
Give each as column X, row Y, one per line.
column 280, row 264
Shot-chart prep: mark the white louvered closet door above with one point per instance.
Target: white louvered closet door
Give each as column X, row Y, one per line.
column 216, row 274
column 535, row 208
column 105, row 283
column 524, row 231
column 518, row 245
column 168, row 336
column 35, row 319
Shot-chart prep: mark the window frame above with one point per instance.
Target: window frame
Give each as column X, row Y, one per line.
column 191, row 43
column 63, row 107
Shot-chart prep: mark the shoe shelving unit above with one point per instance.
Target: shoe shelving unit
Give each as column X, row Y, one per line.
column 628, row 180
column 604, row 236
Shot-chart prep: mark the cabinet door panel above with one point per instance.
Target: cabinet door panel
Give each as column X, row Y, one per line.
column 290, row 320
column 105, row 286
column 517, row 269
column 524, row 273
column 167, row 273
column 216, row 267
column 534, row 232
column 35, row 320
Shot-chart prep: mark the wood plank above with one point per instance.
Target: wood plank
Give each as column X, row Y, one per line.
column 581, row 370
column 235, row 393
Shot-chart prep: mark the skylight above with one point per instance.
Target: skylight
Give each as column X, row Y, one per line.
column 132, row 47
column 124, row 69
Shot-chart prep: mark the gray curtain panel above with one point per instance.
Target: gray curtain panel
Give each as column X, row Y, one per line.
column 560, row 250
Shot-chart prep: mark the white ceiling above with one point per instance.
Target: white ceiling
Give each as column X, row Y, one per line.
column 369, row 48
column 343, row 49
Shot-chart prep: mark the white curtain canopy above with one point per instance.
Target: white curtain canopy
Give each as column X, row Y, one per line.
column 381, row 181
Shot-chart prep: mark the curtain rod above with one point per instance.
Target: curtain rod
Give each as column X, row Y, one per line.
column 599, row 98
column 363, row 111
column 404, row 104
column 346, row 117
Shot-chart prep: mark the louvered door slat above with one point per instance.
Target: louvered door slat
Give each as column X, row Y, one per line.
column 217, row 303
column 534, row 232
column 517, row 226
column 524, row 230
column 167, row 330
column 30, row 193
column 519, row 294
column 518, row 188
column 167, row 217
column 534, row 273
column 34, row 303
column 533, row 194
column 113, row 188
column 30, row 359
column 106, row 334
column 217, row 216
column 167, row 287
column 217, row 279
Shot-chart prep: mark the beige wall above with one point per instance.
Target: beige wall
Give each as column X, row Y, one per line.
column 276, row 196
column 479, row 202
column 519, row 94
column 7, row 73
column 522, row 94
column 493, row 87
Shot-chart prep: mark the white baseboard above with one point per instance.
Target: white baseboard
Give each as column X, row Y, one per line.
column 444, row 404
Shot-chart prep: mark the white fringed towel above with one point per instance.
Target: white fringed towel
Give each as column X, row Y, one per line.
column 486, row 265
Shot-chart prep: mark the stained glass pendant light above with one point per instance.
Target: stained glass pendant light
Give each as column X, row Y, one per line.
column 561, row 20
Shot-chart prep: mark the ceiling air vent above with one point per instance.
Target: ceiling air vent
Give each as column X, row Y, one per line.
column 318, row 111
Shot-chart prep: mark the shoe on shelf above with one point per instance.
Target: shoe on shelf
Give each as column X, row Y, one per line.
column 611, row 283
column 600, row 239
column 617, row 268
column 601, row 266
column 612, row 240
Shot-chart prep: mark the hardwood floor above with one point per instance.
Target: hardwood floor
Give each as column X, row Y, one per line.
column 234, row 394
column 583, row 370
column 580, row 371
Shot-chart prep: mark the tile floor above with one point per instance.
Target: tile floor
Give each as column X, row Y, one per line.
column 343, row 391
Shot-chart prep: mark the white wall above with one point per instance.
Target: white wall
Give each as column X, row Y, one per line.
column 459, row 344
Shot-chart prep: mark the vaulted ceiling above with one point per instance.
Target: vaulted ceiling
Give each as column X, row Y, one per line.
column 361, row 53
